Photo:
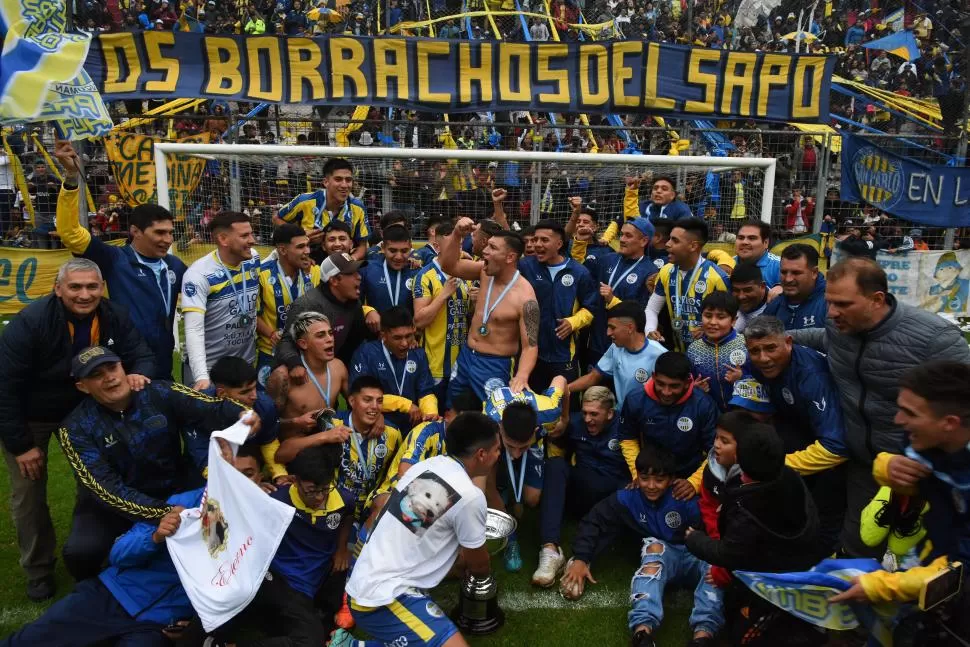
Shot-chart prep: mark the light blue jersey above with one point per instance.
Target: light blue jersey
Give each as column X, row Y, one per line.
column 629, row 370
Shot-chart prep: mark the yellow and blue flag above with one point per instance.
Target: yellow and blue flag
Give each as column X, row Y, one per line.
column 901, row 44
column 42, row 76
column 806, row 595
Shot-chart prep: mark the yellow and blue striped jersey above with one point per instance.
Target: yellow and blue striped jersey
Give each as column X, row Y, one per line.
column 448, row 332
column 309, row 210
column 276, row 293
column 547, row 405
column 362, row 477
column 683, row 293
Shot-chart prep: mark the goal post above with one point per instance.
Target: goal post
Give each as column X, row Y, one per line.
column 425, row 182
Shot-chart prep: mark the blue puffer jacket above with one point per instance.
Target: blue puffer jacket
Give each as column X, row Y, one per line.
column 142, row 576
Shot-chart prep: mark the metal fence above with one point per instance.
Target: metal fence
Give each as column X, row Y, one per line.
column 808, row 168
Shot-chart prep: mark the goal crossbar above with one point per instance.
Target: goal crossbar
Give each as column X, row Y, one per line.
column 164, row 149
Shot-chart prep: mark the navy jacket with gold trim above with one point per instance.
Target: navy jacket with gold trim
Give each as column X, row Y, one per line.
column 133, row 461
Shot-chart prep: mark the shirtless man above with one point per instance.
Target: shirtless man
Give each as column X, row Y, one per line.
column 506, row 314
column 300, row 404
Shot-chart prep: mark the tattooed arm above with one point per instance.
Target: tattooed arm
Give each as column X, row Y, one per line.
column 529, row 335
column 278, row 387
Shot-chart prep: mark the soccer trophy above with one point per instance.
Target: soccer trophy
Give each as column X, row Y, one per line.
column 478, row 612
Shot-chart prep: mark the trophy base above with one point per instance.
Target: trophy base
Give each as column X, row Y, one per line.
column 479, row 626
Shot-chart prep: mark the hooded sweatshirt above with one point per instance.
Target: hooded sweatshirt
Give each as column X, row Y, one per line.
column 715, row 483
column 769, row 526
column 685, row 428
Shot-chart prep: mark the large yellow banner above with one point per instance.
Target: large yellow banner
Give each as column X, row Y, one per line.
column 132, row 159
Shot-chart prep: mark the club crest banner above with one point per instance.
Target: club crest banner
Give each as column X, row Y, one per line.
column 132, row 159
column 465, row 76
column 937, row 196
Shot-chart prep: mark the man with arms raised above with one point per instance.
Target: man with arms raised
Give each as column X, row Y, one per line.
column 315, row 210
column 441, row 314
column 142, row 275
column 751, row 245
column 219, row 298
column 802, row 300
column 283, row 278
column 413, row 546
column 326, row 377
column 683, row 283
column 506, row 315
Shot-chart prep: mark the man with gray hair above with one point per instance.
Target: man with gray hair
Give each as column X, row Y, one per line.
column 871, row 339
column 300, row 404
column 593, row 435
column 808, row 418
column 38, row 392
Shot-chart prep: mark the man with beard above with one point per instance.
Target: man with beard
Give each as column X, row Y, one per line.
column 802, row 300
column 506, row 317
column 750, row 290
column 283, row 278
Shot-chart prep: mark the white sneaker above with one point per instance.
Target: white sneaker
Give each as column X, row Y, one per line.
column 550, row 563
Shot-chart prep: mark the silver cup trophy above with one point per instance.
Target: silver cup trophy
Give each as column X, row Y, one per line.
column 478, row 612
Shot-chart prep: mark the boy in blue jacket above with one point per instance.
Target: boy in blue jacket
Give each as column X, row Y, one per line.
column 652, row 512
column 130, row 602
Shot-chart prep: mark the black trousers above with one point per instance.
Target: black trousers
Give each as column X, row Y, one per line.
column 94, row 529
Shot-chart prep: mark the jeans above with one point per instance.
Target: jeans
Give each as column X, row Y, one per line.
column 581, row 487
column 661, row 563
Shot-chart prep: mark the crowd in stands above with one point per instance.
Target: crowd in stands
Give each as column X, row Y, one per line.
column 840, row 29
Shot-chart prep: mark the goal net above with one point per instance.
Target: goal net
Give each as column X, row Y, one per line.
column 427, row 183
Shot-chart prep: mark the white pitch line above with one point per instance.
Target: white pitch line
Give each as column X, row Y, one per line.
column 530, row 601
column 19, row 616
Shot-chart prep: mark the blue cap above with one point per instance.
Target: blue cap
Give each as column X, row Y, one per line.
column 750, row 394
column 644, row 225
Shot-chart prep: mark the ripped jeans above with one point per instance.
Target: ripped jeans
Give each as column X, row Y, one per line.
column 661, row 563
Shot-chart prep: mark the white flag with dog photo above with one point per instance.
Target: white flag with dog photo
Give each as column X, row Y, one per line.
column 224, row 547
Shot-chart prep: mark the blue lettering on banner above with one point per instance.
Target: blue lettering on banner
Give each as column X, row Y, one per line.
column 22, row 280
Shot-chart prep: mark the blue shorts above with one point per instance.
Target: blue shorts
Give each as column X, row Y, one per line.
column 411, row 619
column 475, row 370
column 533, row 458
column 264, row 366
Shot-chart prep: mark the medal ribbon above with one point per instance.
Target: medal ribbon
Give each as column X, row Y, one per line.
column 678, row 299
column 396, row 295
column 390, row 364
column 243, row 310
column 622, row 276
column 313, row 378
column 363, row 460
column 487, row 311
column 516, row 492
